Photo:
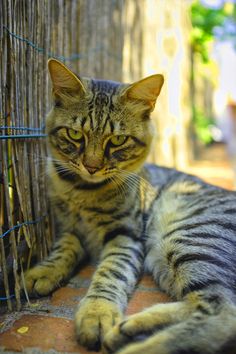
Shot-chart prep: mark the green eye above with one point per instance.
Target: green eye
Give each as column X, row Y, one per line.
column 75, row 134
column 118, row 140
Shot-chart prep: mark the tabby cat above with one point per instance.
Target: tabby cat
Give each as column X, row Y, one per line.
column 112, row 207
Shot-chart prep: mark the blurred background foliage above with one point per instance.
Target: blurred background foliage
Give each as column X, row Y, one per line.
column 212, row 21
column 204, row 21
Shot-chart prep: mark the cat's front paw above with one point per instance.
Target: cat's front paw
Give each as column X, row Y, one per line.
column 41, row 280
column 94, row 318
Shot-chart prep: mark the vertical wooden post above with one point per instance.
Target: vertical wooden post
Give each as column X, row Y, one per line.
column 101, row 39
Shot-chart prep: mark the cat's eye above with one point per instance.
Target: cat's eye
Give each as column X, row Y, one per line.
column 118, row 140
column 75, row 134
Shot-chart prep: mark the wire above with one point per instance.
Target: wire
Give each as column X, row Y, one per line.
column 23, row 136
column 32, row 222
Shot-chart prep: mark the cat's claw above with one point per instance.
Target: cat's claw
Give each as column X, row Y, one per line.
column 116, row 338
column 135, row 328
column 94, row 319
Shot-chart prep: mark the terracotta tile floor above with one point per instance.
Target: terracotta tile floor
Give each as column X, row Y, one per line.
column 47, row 325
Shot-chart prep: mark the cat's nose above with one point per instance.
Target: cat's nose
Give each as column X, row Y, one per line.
column 91, row 169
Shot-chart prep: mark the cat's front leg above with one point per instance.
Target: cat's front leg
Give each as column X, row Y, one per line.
column 47, row 275
column 107, row 297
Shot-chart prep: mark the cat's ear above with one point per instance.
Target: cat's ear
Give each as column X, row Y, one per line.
column 64, row 81
column 146, row 90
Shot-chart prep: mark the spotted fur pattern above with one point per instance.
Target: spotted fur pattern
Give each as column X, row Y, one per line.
column 127, row 215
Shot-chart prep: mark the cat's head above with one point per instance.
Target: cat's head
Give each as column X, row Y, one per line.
column 97, row 129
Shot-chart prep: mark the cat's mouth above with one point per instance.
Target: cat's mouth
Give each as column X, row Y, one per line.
column 84, row 174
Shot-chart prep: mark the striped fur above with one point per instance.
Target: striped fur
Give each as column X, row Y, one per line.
column 127, row 215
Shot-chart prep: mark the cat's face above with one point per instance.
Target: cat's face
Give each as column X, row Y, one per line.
column 100, row 129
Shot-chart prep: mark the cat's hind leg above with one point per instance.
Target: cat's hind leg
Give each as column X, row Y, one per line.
column 198, row 325
column 47, row 275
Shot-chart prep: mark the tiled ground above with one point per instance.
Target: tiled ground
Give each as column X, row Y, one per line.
column 46, row 326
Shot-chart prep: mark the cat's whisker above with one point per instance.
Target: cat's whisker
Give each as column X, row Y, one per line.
column 43, row 160
column 126, row 182
column 139, row 180
column 131, row 181
column 138, row 177
column 119, row 185
column 62, row 168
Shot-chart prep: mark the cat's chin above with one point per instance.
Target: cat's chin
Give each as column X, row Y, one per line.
column 93, row 178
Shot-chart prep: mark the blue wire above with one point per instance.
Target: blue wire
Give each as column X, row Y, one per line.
column 21, row 128
column 23, row 224
column 23, row 136
column 12, row 229
column 23, row 40
column 7, row 298
column 74, row 56
column 27, row 136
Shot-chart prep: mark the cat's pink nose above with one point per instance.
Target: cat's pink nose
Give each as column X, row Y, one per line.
column 91, row 169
